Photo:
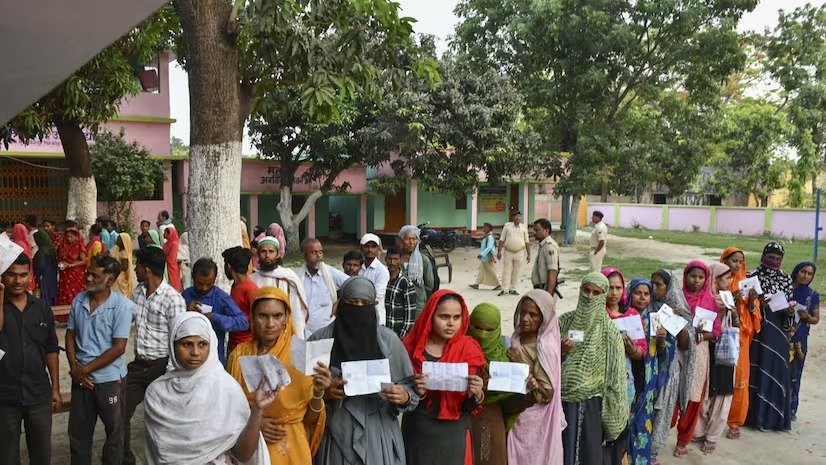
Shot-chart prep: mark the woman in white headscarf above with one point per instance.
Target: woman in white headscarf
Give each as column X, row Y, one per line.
column 197, row 413
column 417, row 268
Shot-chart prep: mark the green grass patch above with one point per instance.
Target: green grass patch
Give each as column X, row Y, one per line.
column 632, row 267
column 796, row 250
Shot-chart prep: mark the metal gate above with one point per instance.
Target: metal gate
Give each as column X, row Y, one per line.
column 33, row 187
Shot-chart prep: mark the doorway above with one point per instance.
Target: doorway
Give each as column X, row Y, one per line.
column 395, row 210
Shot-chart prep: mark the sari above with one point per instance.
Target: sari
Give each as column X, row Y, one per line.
column 196, row 416
column 488, row 427
column 20, row 236
column 750, row 324
column 93, row 248
column 654, row 376
column 593, row 380
column 45, row 267
column 170, row 249
column 438, row 431
column 124, row 284
column 626, row 311
column 293, row 400
column 536, row 438
column 809, row 298
column 770, row 378
column 71, row 282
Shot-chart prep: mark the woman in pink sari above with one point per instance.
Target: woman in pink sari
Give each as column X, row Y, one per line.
column 275, row 230
column 20, row 236
column 536, row 438
column 170, row 249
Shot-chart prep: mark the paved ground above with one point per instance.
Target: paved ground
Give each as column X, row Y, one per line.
column 800, row 446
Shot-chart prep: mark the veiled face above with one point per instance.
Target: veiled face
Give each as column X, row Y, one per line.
column 590, row 290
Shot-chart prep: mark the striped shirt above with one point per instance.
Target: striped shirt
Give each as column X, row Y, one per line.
column 152, row 315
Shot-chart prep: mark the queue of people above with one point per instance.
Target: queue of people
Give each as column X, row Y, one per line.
column 593, row 394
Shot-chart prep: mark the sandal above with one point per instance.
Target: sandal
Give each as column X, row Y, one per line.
column 680, row 451
column 708, row 447
column 733, row 433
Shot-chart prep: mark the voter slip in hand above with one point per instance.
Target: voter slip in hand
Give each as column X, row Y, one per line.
column 632, row 325
column 204, row 308
column 704, row 318
column 748, row 284
column 778, row 302
column 508, row 377
column 365, row 376
column 305, row 355
column 445, row 376
column 669, row 320
column 728, row 299
column 266, row 367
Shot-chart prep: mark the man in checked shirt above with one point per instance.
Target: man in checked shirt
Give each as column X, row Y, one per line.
column 156, row 304
column 400, row 296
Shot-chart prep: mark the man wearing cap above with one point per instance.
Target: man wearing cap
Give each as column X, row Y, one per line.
column 598, row 237
column 321, row 283
column 515, row 241
column 271, row 273
column 375, row 271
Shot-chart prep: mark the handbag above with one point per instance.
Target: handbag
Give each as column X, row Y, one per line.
column 727, row 348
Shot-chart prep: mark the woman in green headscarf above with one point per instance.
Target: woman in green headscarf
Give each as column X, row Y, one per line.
column 489, row 426
column 594, row 390
column 156, row 242
column 45, row 267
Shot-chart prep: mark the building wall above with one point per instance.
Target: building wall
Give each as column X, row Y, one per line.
column 348, row 207
column 375, row 212
column 440, row 210
column 790, row 223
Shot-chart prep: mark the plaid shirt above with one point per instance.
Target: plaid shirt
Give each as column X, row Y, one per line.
column 152, row 315
column 400, row 304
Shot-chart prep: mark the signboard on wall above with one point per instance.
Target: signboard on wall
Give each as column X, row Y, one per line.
column 492, row 199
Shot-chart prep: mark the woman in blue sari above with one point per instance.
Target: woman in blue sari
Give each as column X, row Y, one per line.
column 660, row 348
column 807, row 297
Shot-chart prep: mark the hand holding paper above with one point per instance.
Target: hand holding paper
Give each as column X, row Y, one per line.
column 704, row 318
column 365, row 376
column 305, row 355
column 264, row 367
column 508, row 377
column 669, row 320
column 750, row 283
column 728, row 299
column 446, row 376
column 778, row 302
column 632, row 325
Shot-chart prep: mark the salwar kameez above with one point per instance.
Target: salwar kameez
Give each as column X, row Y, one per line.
column 716, row 407
column 808, row 297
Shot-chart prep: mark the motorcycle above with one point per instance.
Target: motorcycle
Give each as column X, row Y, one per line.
column 445, row 240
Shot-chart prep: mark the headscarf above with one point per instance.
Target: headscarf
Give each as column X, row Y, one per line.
column 44, row 243
column 773, row 280
column 71, row 252
column 750, row 323
column 488, row 315
column 796, row 270
column 353, row 331
column 275, row 230
column 281, row 349
column 461, row 348
column 183, row 247
column 415, row 267
column 636, row 282
column 717, row 269
column 194, row 416
column 124, row 283
column 596, row 367
column 806, row 296
column 607, row 272
column 537, row 433
column 20, row 236
column 156, row 239
column 703, row 297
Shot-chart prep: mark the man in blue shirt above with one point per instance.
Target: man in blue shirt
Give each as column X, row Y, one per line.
column 96, row 336
column 214, row 303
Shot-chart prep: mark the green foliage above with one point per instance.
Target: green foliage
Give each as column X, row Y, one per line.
column 747, row 151
column 178, row 149
column 582, row 65
column 123, row 170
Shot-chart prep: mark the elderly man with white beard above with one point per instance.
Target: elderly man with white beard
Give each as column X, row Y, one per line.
column 271, row 273
column 321, row 284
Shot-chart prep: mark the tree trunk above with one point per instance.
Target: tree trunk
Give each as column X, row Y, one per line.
column 83, row 193
column 291, row 222
column 213, row 193
column 573, row 219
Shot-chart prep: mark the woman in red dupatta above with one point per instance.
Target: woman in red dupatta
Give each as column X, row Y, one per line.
column 697, row 290
column 170, row 249
column 438, row 432
column 72, row 264
column 20, row 236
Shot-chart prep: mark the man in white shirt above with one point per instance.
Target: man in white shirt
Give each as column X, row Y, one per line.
column 31, row 228
column 375, row 271
column 598, row 239
column 271, row 273
column 515, row 241
column 321, row 283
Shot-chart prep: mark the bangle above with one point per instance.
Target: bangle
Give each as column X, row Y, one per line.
column 321, row 392
column 310, row 404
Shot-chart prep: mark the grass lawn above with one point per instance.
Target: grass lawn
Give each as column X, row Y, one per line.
column 796, row 251
column 632, row 267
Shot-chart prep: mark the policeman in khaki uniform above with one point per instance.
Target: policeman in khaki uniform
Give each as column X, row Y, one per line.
column 545, row 272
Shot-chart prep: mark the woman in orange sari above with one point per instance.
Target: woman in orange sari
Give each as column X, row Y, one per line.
column 749, row 326
column 294, row 423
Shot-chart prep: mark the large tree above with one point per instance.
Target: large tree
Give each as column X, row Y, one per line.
column 582, row 64
column 237, row 52
column 88, row 98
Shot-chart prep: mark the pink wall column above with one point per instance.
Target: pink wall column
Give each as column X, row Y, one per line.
column 414, row 202
column 363, row 212
column 253, row 219
column 474, row 210
column 311, row 221
column 526, row 202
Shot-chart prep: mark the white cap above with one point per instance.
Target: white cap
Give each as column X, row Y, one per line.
column 370, row 237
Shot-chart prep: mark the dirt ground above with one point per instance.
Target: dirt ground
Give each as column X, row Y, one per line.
column 798, row 446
